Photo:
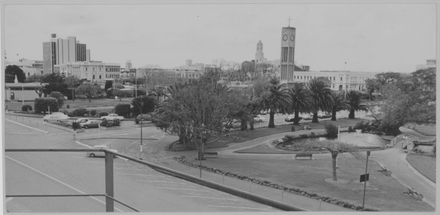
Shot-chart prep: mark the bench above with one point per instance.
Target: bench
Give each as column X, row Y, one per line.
column 210, row 154
column 303, row 155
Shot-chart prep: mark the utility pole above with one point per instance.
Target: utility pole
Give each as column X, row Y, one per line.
column 365, row 181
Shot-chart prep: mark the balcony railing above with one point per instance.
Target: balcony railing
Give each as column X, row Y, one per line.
column 109, row 181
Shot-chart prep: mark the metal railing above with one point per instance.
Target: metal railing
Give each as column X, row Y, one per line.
column 109, row 181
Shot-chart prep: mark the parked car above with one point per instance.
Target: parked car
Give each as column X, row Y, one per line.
column 110, row 122
column 113, row 116
column 143, row 118
column 90, row 123
column 55, row 116
column 100, row 153
column 289, row 118
column 259, row 118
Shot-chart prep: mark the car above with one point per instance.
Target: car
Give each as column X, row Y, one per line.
column 55, row 116
column 259, row 118
column 113, row 116
column 142, row 118
column 90, row 123
column 110, row 122
column 100, row 153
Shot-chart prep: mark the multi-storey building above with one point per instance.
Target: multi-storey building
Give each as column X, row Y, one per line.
column 94, row 71
column 339, row 80
column 61, row 51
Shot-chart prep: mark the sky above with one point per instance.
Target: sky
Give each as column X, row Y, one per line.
column 358, row 37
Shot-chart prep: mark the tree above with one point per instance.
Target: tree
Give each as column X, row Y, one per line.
column 338, row 103
column 354, row 103
column 54, row 82
column 89, row 90
column 13, row 70
column 59, row 97
column 274, row 99
column 335, row 148
column 320, row 97
column 372, row 85
column 196, row 111
column 299, row 100
column 143, row 104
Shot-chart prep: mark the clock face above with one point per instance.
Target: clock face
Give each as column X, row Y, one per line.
column 285, row 37
column 292, row 37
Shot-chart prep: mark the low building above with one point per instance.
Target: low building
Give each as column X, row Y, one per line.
column 93, row 71
column 29, row 67
column 430, row 63
column 339, row 80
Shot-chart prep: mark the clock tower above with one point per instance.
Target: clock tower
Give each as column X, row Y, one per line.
column 287, row 53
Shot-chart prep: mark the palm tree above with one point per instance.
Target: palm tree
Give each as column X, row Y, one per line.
column 338, row 104
column 320, row 97
column 274, row 99
column 299, row 100
column 354, row 103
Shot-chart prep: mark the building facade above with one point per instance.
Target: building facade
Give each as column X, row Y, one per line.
column 339, row 80
column 81, row 52
column 93, row 71
column 29, row 67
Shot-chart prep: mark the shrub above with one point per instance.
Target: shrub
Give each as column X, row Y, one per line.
column 303, row 136
column 332, row 131
column 80, row 112
column 42, row 105
column 312, row 134
column 123, row 110
column 92, row 112
column 292, row 128
column 144, row 104
column 26, row 108
column 67, row 106
column 58, row 96
column 123, row 93
column 102, row 114
column 350, row 129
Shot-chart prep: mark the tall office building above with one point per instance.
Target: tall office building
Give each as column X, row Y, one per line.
column 88, row 55
column 61, row 51
column 259, row 55
column 66, row 50
column 287, row 53
column 49, row 55
column 81, row 52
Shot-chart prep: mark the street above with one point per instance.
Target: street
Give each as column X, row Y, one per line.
column 74, row 173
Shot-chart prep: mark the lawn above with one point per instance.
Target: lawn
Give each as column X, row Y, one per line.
column 384, row 192
column 424, row 164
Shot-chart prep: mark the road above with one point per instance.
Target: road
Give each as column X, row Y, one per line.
column 74, row 173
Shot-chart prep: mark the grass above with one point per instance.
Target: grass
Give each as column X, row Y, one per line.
column 383, row 192
column 424, row 164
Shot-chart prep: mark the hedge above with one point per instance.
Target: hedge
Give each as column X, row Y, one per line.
column 26, row 108
column 123, row 110
column 42, row 105
column 79, row 112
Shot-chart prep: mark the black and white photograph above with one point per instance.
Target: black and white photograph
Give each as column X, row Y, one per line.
column 208, row 106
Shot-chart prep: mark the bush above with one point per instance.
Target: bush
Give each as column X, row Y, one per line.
column 312, row 134
column 144, row 103
column 332, row 131
column 58, row 96
column 350, row 129
column 42, row 105
column 26, row 108
column 102, row 114
column 92, row 112
column 360, row 125
column 67, row 106
column 79, row 112
column 123, row 110
column 123, row 93
column 292, row 128
column 303, row 136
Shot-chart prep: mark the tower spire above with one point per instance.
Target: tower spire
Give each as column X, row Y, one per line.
column 289, row 21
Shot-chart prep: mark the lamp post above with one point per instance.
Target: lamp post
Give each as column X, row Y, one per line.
column 365, row 181
column 141, row 143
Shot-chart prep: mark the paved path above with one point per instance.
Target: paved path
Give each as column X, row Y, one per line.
column 395, row 160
